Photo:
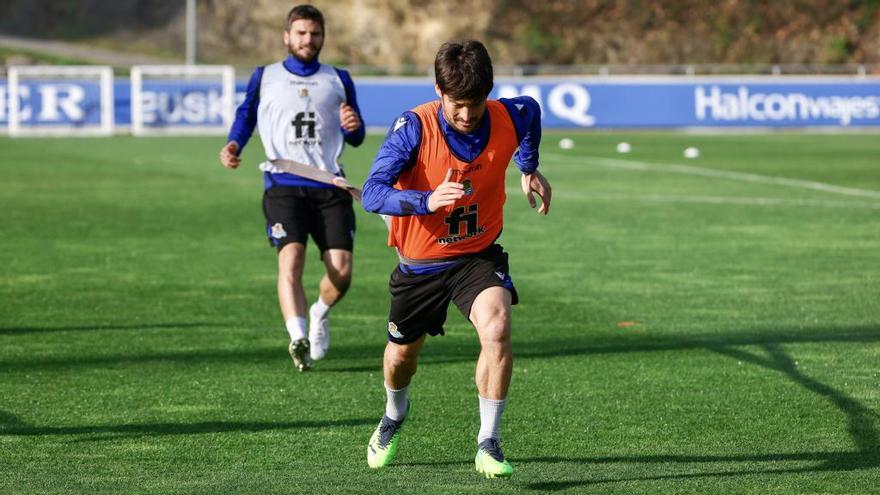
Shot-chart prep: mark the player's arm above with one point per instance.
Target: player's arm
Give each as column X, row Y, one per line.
column 244, row 124
column 397, row 154
column 526, row 116
column 350, row 113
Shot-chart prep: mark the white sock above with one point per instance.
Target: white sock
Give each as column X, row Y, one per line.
column 490, row 418
column 296, row 327
column 397, row 403
column 319, row 310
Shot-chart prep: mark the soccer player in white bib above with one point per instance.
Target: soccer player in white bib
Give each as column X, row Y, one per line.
column 305, row 112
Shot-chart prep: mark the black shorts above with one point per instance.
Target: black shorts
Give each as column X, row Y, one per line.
column 294, row 212
column 419, row 302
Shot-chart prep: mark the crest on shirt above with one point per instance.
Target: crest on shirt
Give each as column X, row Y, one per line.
column 278, row 231
column 468, row 187
column 304, row 92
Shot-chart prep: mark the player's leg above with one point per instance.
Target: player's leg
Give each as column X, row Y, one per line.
column 332, row 226
column 484, row 293
column 291, row 293
column 418, row 307
column 333, row 286
column 287, row 230
column 337, row 278
column 399, row 365
column 292, row 299
column 490, row 315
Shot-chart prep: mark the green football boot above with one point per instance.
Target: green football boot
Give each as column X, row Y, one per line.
column 490, row 461
column 383, row 444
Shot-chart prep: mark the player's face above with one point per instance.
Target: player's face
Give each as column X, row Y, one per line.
column 463, row 116
column 304, row 39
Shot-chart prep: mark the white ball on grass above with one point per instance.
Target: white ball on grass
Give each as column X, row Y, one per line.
column 566, row 143
column 624, row 147
column 691, row 152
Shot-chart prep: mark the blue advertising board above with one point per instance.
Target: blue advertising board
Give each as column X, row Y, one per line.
column 73, row 102
column 662, row 103
column 598, row 102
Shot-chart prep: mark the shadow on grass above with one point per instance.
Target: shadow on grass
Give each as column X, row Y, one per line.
column 830, row 462
column 439, row 351
column 16, row 428
column 860, row 425
column 89, row 328
column 860, row 419
column 566, row 485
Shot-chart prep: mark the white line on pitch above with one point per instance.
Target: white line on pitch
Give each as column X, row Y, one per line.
column 723, row 174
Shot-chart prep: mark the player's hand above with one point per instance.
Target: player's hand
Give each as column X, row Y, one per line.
column 229, row 155
column 537, row 183
column 445, row 194
column 350, row 120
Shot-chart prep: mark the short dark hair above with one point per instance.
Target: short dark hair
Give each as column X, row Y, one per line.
column 463, row 70
column 305, row 11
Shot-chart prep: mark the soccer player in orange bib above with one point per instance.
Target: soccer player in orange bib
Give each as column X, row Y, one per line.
column 440, row 175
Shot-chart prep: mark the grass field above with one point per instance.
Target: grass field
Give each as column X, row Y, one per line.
column 686, row 326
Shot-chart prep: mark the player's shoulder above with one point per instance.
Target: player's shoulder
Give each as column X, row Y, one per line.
column 406, row 123
column 520, row 104
column 405, row 132
column 258, row 71
column 279, row 65
column 523, row 110
column 343, row 74
column 270, row 71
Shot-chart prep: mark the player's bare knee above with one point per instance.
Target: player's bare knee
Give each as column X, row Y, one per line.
column 400, row 355
column 291, row 260
column 495, row 332
column 339, row 273
column 340, row 279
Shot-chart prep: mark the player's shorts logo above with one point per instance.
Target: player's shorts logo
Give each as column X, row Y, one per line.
column 278, row 231
column 500, row 275
column 392, row 329
column 304, row 92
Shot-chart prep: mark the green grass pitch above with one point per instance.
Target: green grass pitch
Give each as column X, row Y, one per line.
column 686, row 326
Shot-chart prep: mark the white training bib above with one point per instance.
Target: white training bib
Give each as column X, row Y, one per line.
column 298, row 117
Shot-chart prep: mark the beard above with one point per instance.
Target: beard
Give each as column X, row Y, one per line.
column 294, row 52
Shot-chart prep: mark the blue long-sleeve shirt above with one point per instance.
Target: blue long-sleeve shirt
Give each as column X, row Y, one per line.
column 399, row 152
column 246, row 115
